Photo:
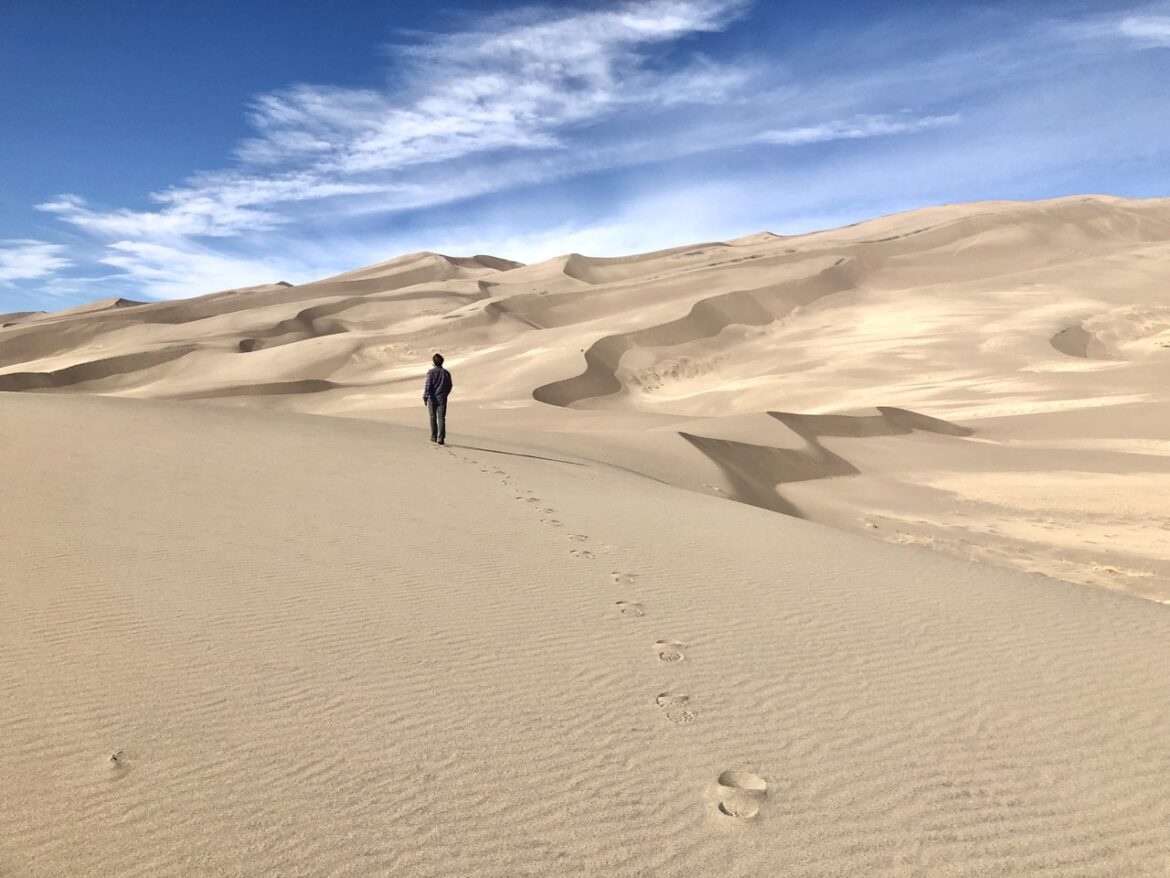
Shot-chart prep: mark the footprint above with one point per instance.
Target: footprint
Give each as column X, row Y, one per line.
column 532, row 500
column 676, row 707
column 631, row 608
column 739, row 806
column 578, row 538
column 741, row 793
column 548, row 510
column 669, row 650
column 118, row 763
column 551, row 522
column 623, row 578
column 581, row 553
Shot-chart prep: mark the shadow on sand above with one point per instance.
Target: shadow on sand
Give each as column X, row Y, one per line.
column 514, row 454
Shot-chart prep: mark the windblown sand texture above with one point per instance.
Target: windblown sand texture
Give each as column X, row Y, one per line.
column 235, row 640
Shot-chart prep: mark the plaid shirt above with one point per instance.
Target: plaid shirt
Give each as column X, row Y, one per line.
column 438, row 385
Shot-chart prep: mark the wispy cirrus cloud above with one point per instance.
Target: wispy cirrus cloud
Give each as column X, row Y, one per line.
column 1140, row 28
column 514, row 88
column 854, row 129
column 168, row 269
column 1152, row 30
column 514, row 105
column 25, row 259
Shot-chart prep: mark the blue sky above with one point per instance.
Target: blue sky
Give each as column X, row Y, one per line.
column 165, row 148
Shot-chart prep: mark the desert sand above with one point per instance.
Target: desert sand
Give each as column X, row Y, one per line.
column 236, row 639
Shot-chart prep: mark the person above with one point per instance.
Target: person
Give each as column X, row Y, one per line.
column 438, row 385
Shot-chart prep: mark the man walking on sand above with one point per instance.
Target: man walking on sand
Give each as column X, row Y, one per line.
column 435, row 390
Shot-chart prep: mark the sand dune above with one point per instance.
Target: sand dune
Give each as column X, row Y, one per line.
column 236, row 640
column 85, row 374
column 1035, row 326
column 239, row 642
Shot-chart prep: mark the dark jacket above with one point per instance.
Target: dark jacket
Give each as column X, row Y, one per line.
column 438, row 385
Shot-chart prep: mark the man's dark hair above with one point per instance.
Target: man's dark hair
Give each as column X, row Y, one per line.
column 437, row 359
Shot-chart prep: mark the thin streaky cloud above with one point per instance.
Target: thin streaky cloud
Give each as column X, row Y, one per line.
column 1153, row 30
column 26, row 259
column 507, row 90
column 855, row 129
column 222, row 207
column 1145, row 28
column 175, row 270
column 579, row 114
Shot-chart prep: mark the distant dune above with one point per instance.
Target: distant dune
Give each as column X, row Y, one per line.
column 1042, row 328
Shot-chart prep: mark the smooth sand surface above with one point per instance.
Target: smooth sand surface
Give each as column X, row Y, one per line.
column 236, row 639
column 253, row 643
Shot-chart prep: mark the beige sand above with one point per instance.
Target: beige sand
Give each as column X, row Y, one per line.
column 241, row 641
column 1041, row 329
column 252, row 643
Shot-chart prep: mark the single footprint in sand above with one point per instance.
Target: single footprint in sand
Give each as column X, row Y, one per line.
column 578, row 538
column 548, row 510
column 623, row 578
column 740, row 794
column 551, row 522
column 581, row 553
column 118, row 763
column 676, row 707
column 532, row 500
column 631, row 608
column 669, row 650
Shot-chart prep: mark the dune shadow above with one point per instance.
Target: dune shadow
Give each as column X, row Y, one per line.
column 706, row 319
column 93, row 370
column 756, row 471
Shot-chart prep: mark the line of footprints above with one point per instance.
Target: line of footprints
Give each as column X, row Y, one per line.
column 738, row 794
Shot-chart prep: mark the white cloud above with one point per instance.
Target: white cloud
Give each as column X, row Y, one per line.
column 1152, row 30
column 854, row 129
column 222, row 207
column 513, row 87
column 23, row 259
column 527, row 98
column 1149, row 29
column 165, row 271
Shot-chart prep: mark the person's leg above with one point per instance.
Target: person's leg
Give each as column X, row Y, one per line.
column 441, row 418
column 431, row 410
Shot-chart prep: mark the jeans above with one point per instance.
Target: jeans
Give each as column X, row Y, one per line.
column 438, row 412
